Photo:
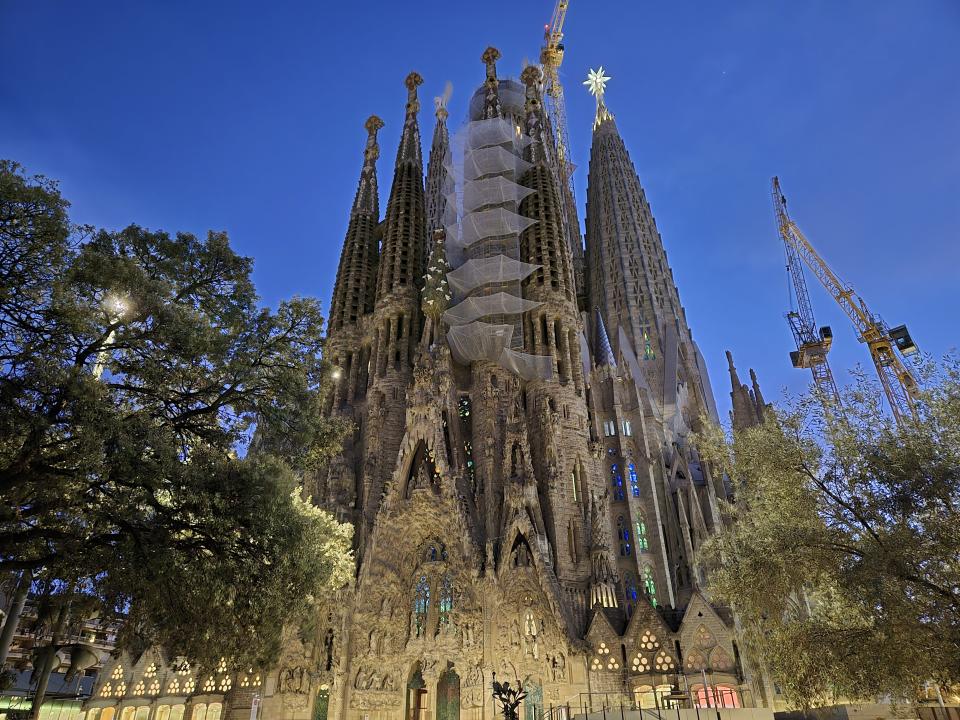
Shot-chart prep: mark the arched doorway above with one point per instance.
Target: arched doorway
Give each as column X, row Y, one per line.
column 448, row 695
column 416, row 695
column 321, row 704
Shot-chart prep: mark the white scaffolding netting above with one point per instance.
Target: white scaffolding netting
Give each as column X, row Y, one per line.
column 479, row 306
column 495, row 190
column 478, row 340
column 495, row 223
column 483, row 241
column 529, row 367
column 497, row 270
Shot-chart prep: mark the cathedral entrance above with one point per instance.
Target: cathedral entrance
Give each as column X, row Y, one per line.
column 448, row 695
column 417, row 696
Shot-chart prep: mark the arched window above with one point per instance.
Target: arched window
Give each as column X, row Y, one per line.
column 623, row 532
column 163, row 713
column 649, row 585
column 92, row 714
column 143, row 712
column 213, row 712
column 176, row 712
column 435, row 551
column 421, row 605
column 107, row 714
column 630, row 586
column 634, row 481
column 641, row 531
column 529, row 624
column 616, row 480
column 199, row 712
column 128, row 712
column 446, row 599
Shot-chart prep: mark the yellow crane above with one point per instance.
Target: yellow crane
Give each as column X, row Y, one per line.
column 551, row 57
column 812, row 344
column 885, row 344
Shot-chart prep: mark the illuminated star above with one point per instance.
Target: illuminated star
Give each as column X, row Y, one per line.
column 596, row 82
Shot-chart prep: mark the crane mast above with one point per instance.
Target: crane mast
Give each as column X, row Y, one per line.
column 812, row 345
column 899, row 385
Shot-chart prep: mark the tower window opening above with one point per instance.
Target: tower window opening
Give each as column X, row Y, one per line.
column 634, row 480
column 623, row 533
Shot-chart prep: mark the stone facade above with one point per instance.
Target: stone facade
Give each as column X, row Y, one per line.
column 543, row 529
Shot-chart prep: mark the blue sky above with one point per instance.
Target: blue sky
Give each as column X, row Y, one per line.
column 247, row 117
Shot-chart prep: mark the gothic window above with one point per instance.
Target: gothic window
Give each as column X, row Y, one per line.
column 623, row 533
column 609, row 428
column 421, row 604
column 617, row 482
column 626, row 427
column 446, row 600
column 649, row 585
column 634, row 480
column 630, row 586
column 641, row 531
column 520, row 553
column 529, row 624
column 435, row 552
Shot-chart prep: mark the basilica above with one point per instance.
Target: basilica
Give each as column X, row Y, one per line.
column 527, row 501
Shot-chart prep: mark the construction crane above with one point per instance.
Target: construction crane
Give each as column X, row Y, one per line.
column 812, row 344
column 551, row 57
column 885, row 344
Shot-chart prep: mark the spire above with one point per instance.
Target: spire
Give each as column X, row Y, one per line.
column 596, row 83
column 491, row 107
column 757, row 396
column 405, row 226
column 602, row 351
column 544, row 242
column 367, row 199
column 744, row 406
column 353, row 293
column 439, row 182
column 630, row 277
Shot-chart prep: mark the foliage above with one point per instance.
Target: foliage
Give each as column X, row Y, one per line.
column 842, row 557
column 136, row 369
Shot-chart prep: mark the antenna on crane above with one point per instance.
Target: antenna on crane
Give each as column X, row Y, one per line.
column 886, row 344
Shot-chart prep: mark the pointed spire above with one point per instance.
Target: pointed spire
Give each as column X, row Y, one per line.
column 439, row 182
column 596, row 83
column 405, row 226
column 367, row 199
column 532, row 77
column 354, row 290
column 602, row 351
column 491, row 107
column 409, row 150
column 757, row 395
column 744, row 406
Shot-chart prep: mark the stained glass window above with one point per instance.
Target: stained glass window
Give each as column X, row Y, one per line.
column 649, row 585
column 623, row 532
column 421, row 604
column 446, row 600
column 634, row 480
column 641, row 530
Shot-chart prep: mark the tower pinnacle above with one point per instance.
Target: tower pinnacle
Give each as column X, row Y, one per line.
column 491, row 106
column 366, row 199
column 596, row 83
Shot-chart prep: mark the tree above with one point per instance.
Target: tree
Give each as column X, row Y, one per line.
column 135, row 370
column 842, row 555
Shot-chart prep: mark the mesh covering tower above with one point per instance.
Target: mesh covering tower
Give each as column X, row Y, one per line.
column 524, row 494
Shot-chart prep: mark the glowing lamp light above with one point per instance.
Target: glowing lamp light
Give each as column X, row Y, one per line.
column 335, row 374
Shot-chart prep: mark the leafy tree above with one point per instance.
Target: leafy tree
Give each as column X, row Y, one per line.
column 135, row 369
column 842, row 557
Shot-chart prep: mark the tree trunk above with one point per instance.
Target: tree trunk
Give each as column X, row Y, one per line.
column 12, row 620
column 49, row 662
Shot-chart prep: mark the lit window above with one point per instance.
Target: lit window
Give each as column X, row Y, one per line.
column 154, row 687
column 640, row 664
column 209, row 685
column 663, row 662
column 641, row 531
column 199, row 712
column 634, row 480
column 173, row 687
column 151, row 671
column 226, row 682
column 222, row 665
column 626, row 427
column 649, row 585
column 623, row 533
column 189, row 686
column 117, row 673
column 139, row 688
column 106, row 690
column 630, row 586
